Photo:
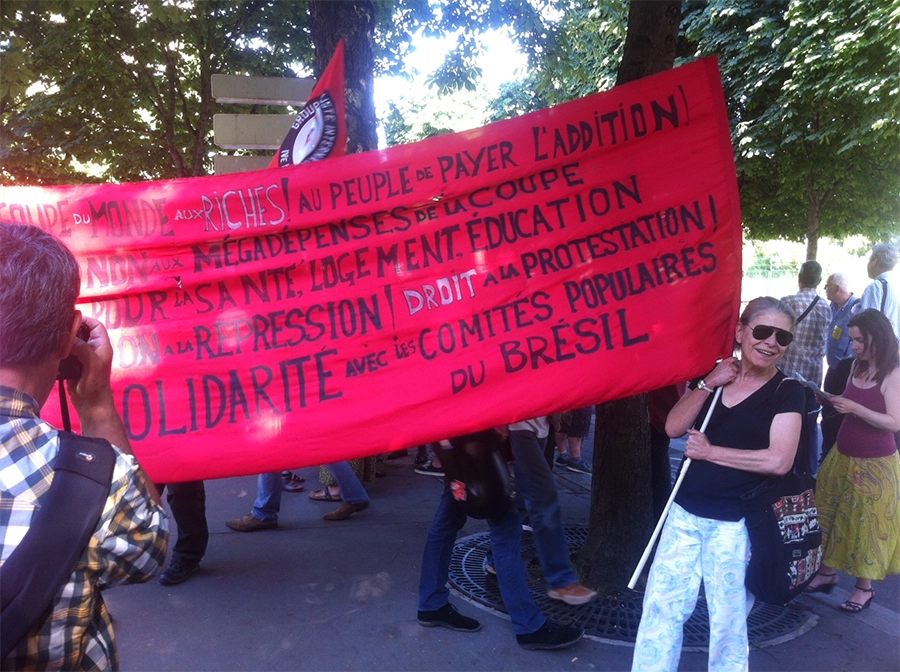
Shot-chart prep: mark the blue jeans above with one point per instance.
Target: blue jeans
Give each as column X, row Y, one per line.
column 268, row 496
column 506, row 538
column 268, row 490
column 537, row 485
column 352, row 490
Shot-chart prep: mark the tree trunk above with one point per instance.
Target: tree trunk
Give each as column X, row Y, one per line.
column 813, row 223
column 650, row 40
column 621, row 501
column 354, row 22
column 621, row 519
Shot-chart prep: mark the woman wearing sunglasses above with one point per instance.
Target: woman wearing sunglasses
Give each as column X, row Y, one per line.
column 858, row 489
column 753, row 432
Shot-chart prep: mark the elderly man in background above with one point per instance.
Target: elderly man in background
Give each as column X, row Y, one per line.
column 883, row 293
column 844, row 305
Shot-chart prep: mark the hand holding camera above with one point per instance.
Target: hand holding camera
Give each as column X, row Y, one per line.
column 70, row 368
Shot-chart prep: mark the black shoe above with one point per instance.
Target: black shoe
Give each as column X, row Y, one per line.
column 178, row 572
column 430, row 470
column 448, row 617
column 579, row 466
column 550, row 636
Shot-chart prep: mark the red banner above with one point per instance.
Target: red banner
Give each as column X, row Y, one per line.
column 327, row 311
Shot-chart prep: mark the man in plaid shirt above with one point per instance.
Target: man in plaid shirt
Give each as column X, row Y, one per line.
column 805, row 356
column 39, row 283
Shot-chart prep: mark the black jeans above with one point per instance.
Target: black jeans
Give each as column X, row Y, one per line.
column 188, row 503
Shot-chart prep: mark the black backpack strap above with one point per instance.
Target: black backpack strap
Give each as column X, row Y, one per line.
column 808, row 308
column 884, row 288
column 60, row 530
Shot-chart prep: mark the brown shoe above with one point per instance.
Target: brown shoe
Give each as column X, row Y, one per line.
column 345, row 510
column 251, row 523
column 574, row 593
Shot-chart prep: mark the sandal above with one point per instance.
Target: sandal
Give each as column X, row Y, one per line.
column 850, row 607
column 824, row 587
column 324, row 495
column 290, row 482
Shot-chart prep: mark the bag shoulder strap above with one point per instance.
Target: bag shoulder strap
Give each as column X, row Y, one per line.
column 884, row 288
column 808, row 308
column 60, row 530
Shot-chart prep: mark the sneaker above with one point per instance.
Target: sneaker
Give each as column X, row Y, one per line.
column 448, row 617
column 421, row 460
column 579, row 466
column 251, row 523
column 574, row 593
column 562, row 460
column 430, row 470
column 550, row 636
column 178, row 572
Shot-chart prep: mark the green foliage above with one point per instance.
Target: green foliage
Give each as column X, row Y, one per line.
column 119, row 90
column 514, row 100
column 415, row 118
column 812, row 90
column 583, row 52
column 529, row 23
column 125, row 86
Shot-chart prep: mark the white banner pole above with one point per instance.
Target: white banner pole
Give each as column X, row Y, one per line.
column 662, row 518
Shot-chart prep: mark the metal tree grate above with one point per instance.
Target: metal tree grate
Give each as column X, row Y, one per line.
column 613, row 618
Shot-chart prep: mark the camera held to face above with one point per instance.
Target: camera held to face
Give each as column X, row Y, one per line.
column 70, row 367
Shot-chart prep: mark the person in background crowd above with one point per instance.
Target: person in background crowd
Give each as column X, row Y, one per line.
column 839, row 354
column 188, row 503
column 883, row 293
column 266, row 507
column 806, row 355
column 807, row 352
column 754, row 431
column 858, row 488
column 843, row 306
column 536, row 485
column 39, row 283
column 573, row 428
column 533, row 630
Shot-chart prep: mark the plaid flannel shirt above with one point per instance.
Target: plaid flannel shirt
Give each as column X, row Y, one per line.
column 806, row 354
column 128, row 546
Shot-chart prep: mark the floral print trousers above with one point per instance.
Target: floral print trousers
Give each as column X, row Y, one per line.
column 690, row 549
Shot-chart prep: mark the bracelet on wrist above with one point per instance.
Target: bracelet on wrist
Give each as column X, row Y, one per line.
column 703, row 386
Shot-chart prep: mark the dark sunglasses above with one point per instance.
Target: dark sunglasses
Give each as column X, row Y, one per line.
column 762, row 331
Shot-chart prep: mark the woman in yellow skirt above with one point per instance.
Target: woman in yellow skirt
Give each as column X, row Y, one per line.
column 858, row 489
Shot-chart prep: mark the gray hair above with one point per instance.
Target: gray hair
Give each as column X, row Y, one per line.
column 840, row 281
column 765, row 304
column 810, row 273
column 885, row 255
column 39, row 283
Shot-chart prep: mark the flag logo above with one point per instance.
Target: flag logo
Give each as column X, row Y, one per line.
column 313, row 134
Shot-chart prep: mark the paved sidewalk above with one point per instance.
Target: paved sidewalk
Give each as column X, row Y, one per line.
column 318, row 595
